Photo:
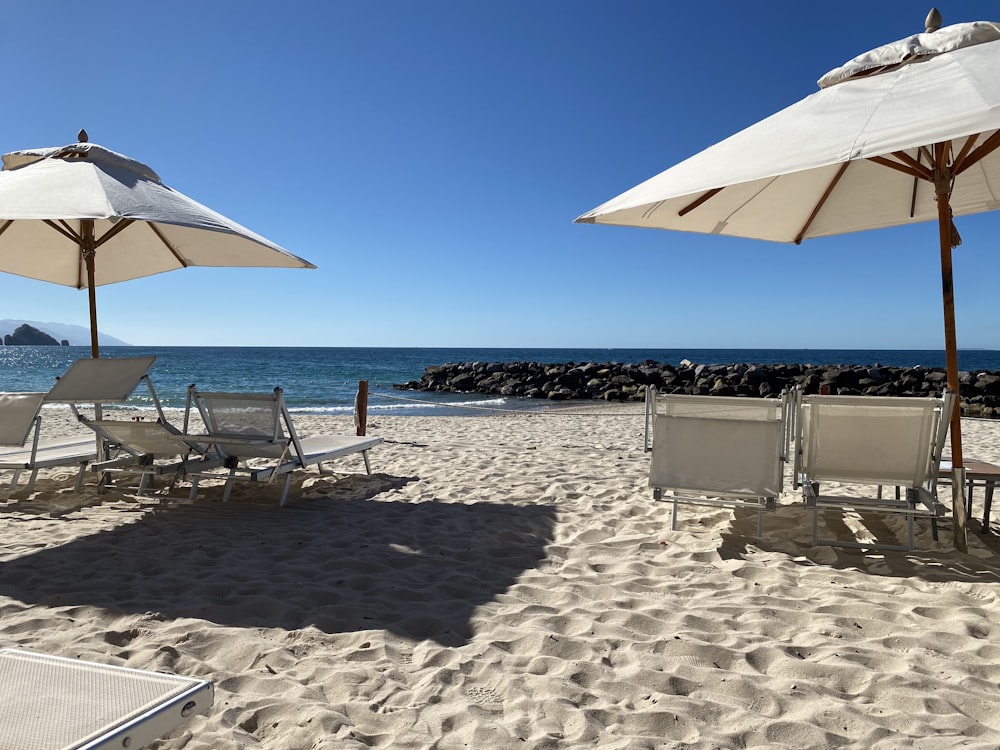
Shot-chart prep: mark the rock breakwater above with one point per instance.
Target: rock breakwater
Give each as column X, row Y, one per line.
column 611, row 381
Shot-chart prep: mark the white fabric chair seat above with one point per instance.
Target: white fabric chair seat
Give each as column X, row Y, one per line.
column 49, row 454
column 151, row 449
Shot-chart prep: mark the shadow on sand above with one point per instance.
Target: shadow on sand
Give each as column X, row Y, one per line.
column 340, row 565
column 931, row 565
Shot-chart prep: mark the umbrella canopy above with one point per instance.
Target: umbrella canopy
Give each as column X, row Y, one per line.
column 906, row 133
column 813, row 169
column 83, row 216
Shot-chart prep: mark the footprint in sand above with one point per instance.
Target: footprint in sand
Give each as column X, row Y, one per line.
column 485, row 697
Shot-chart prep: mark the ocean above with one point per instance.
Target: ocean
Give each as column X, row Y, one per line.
column 324, row 380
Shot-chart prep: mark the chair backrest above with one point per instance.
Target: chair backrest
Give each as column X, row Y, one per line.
column 96, row 381
column 869, row 439
column 719, row 445
column 719, row 407
column 17, row 415
column 251, row 421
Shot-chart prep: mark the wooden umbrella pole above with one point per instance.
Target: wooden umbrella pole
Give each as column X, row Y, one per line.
column 942, row 185
column 88, row 250
column 361, row 408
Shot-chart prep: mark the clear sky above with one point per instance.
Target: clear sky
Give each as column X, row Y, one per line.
column 430, row 157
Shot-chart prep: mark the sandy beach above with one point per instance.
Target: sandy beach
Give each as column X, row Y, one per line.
column 507, row 581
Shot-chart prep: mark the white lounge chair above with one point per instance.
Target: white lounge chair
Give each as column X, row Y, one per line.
column 54, row 702
column 149, row 448
column 871, row 441
column 23, row 449
column 255, row 434
column 718, row 450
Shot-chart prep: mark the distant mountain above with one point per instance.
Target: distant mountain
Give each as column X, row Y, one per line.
column 76, row 335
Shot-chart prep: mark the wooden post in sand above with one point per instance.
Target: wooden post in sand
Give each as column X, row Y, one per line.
column 361, row 408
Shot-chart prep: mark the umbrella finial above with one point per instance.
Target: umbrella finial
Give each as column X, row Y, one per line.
column 933, row 20
column 82, row 136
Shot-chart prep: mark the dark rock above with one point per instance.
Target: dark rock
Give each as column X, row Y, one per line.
column 463, row 382
column 989, row 384
column 612, row 381
column 25, row 335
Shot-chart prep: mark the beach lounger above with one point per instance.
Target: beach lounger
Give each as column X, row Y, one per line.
column 871, row 441
column 148, row 448
column 718, row 450
column 22, row 447
column 54, row 703
column 255, row 434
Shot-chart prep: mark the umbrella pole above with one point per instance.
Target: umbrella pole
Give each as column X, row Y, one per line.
column 88, row 250
column 942, row 182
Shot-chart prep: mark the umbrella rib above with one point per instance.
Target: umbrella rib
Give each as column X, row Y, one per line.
column 166, row 244
column 923, row 173
column 964, row 153
column 916, row 183
column 698, row 201
column 113, row 232
column 919, row 169
column 821, row 202
column 988, row 147
column 5, row 225
column 64, row 229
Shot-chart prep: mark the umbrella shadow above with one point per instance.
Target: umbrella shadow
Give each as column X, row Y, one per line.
column 339, row 564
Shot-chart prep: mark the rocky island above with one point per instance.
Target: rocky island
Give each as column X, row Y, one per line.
column 26, row 335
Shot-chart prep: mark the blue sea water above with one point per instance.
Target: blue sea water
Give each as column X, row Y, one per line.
column 324, row 380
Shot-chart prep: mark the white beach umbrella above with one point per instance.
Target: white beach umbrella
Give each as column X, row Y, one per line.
column 83, row 216
column 905, row 133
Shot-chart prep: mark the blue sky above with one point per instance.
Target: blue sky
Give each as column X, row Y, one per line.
column 430, row 157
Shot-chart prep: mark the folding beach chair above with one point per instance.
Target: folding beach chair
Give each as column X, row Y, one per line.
column 871, row 441
column 718, row 450
column 23, row 449
column 255, row 434
column 54, row 703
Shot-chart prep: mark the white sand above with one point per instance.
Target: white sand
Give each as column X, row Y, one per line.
column 508, row 582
